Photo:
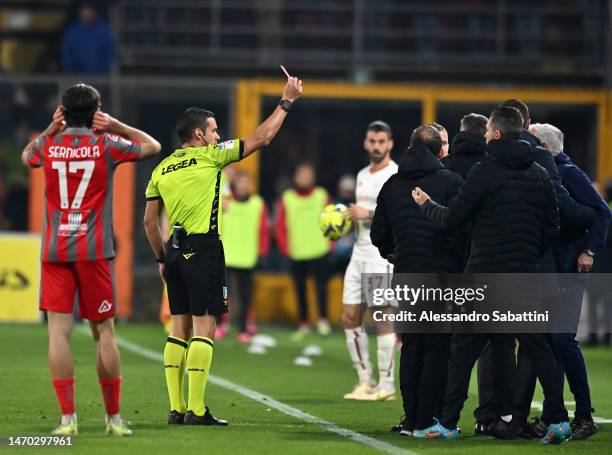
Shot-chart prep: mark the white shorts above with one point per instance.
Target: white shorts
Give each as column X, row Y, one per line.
column 352, row 293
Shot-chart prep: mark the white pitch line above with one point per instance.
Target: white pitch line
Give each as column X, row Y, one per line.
column 539, row 406
column 272, row 403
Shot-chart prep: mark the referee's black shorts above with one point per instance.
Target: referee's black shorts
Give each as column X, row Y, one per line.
column 195, row 276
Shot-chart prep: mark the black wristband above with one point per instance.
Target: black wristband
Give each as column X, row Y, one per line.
column 285, row 105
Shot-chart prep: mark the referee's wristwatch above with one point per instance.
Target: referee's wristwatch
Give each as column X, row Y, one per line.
column 285, row 105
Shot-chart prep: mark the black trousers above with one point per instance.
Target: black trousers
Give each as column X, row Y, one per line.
column 423, row 371
column 241, row 291
column 300, row 270
column 486, row 413
column 535, row 355
column 465, row 350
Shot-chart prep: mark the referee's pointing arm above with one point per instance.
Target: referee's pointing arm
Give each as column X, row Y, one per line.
column 268, row 129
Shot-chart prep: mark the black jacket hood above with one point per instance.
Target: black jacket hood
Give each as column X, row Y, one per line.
column 511, row 154
column 466, row 143
column 417, row 162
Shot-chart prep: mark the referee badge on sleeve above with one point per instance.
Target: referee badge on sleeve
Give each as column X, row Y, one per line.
column 225, row 145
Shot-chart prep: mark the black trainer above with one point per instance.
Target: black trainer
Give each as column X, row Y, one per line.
column 175, row 418
column 207, row 419
column 583, row 427
column 521, row 429
column 406, row 429
column 481, row 429
column 502, row 430
column 397, row 428
column 538, row 427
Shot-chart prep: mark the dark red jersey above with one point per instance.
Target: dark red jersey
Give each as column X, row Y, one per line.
column 79, row 167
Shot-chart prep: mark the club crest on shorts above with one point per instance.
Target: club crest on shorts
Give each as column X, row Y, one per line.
column 105, row 306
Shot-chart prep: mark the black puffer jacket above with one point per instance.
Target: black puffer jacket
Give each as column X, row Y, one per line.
column 466, row 150
column 401, row 229
column 512, row 205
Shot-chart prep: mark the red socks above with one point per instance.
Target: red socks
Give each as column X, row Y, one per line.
column 64, row 390
column 111, row 391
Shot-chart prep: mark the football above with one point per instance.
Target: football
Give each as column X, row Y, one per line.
column 334, row 221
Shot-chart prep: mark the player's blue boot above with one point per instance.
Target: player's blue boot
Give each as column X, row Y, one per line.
column 557, row 433
column 437, row 431
column 449, row 433
column 428, row 433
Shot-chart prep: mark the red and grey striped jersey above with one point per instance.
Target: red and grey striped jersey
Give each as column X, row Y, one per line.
column 79, row 167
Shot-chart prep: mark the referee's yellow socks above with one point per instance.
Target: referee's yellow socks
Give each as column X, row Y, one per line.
column 199, row 359
column 174, row 363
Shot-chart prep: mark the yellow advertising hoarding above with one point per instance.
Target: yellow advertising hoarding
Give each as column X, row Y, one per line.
column 19, row 277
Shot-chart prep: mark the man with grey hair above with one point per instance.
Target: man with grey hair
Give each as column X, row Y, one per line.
column 576, row 252
column 550, row 136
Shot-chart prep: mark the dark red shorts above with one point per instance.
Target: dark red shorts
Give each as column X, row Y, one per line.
column 92, row 280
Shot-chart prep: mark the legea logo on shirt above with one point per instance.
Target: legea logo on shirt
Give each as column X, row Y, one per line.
column 179, row 166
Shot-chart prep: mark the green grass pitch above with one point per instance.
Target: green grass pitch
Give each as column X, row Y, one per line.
column 29, row 407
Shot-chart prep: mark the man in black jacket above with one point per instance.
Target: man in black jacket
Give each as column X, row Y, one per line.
column 573, row 215
column 399, row 229
column 511, row 203
column 469, row 146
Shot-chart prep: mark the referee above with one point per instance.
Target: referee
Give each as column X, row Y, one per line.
column 192, row 262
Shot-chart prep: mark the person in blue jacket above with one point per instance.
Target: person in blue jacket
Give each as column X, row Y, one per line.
column 575, row 253
column 88, row 46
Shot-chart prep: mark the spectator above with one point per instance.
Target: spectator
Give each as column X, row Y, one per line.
column 88, row 46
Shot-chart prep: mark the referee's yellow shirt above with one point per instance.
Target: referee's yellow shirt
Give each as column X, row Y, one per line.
column 189, row 184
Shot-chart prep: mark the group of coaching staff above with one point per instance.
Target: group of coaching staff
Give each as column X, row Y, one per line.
column 187, row 183
column 512, row 204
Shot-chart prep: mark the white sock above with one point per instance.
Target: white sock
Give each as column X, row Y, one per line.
column 67, row 418
column 507, row 418
column 386, row 360
column 115, row 418
column 357, row 344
